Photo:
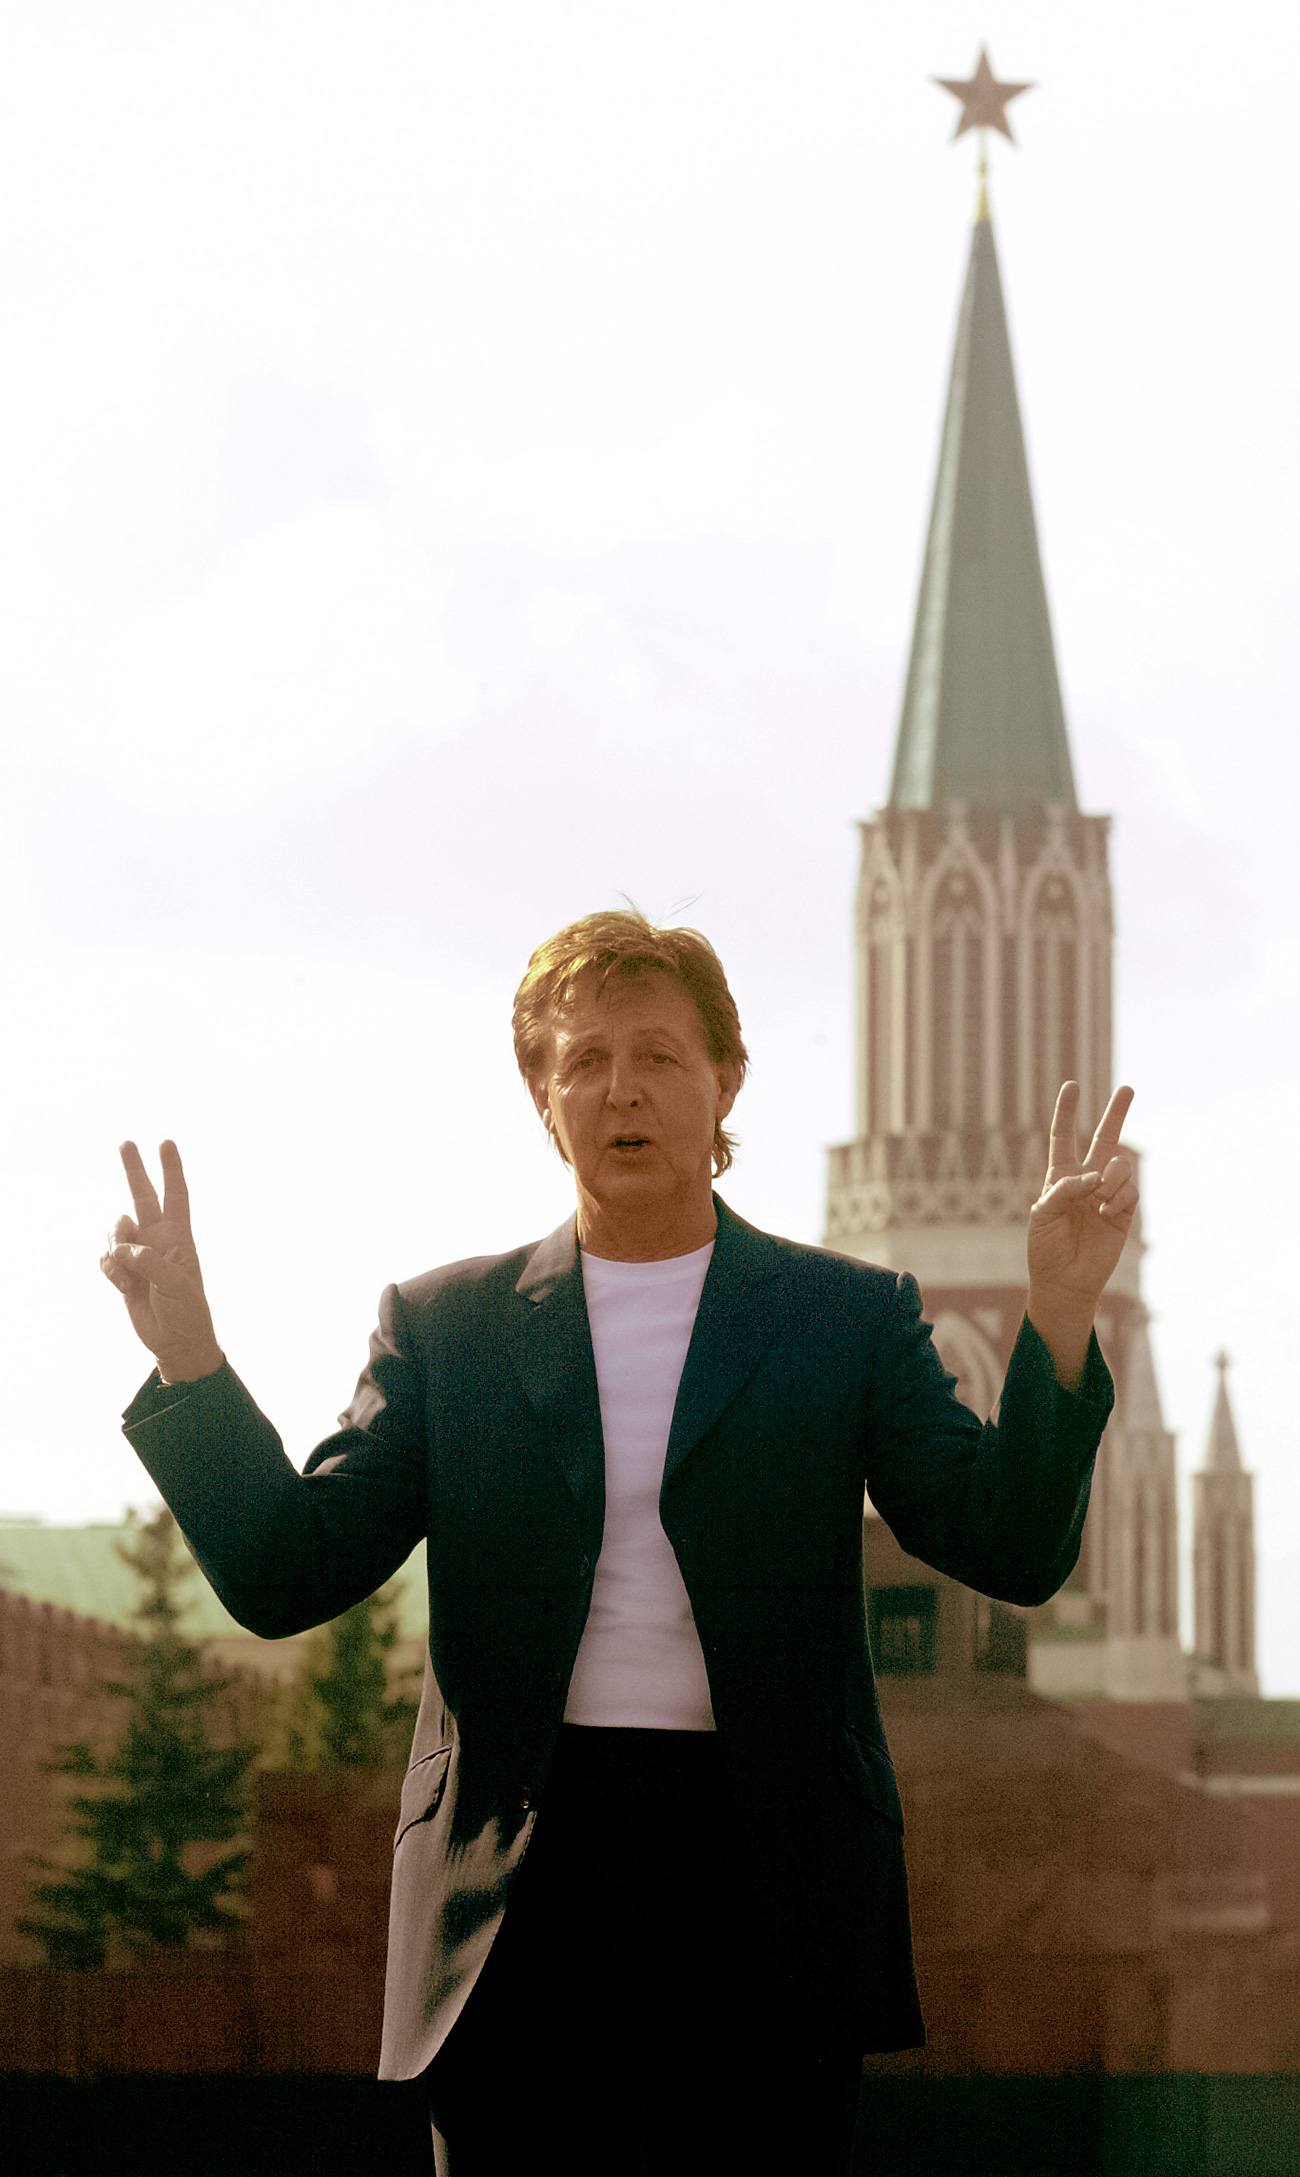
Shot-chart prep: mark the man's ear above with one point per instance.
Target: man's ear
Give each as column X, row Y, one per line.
column 728, row 1088
column 540, row 1094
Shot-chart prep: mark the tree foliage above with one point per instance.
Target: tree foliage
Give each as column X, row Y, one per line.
column 355, row 1712
column 159, row 1806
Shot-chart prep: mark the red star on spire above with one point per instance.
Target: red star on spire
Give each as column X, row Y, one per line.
column 983, row 99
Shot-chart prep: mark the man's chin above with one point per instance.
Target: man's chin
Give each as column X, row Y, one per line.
column 626, row 1176
column 642, row 1177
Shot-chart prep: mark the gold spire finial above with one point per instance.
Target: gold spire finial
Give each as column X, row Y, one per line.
column 982, row 213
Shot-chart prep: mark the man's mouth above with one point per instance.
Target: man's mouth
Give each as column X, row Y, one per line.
column 630, row 1141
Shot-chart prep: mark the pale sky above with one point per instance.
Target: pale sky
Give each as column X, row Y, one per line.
column 460, row 465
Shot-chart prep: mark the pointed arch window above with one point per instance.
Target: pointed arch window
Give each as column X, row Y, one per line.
column 881, row 1029
column 1140, row 1513
column 957, row 937
column 1218, row 1612
column 968, row 1355
column 1054, row 989
column 1245, row 1657
column 1168, row 1567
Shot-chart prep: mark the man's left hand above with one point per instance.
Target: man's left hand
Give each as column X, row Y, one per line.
column 1077, row 1229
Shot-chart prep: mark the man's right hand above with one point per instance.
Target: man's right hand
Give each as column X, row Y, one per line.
column 153, row 1262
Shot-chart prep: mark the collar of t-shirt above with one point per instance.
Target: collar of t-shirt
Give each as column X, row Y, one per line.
column 641, row 1316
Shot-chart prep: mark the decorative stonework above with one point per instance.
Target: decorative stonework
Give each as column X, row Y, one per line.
column 984, row 947
column 985, row 1178
column 984, row 981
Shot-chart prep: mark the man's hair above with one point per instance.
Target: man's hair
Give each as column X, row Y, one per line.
column 618, row 945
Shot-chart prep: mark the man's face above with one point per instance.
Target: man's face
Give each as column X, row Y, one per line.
column 632, row 1095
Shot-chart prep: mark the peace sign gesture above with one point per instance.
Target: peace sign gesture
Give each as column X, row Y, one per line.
column 1077, row 1227
column 153, row 1262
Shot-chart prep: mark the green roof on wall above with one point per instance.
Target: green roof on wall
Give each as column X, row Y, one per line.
column 78, row 1568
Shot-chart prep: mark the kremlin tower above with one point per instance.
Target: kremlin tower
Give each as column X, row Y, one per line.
column 984, row 939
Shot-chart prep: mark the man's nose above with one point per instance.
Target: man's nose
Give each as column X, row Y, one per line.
column 624, row 1083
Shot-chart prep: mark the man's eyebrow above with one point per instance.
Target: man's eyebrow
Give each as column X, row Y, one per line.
column 577, row 1046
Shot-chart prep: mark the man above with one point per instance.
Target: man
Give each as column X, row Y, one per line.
column 649, row 1905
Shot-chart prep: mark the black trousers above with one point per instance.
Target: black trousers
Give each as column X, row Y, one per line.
column 624, row 2023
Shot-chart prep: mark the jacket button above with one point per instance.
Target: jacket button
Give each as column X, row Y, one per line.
column 525, row 1802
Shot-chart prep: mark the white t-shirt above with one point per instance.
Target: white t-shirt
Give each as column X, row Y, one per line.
column 640, row 1662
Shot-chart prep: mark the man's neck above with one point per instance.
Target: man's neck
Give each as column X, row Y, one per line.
column 652, row 1234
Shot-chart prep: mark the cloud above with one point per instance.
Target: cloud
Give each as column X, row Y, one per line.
column 292, row 654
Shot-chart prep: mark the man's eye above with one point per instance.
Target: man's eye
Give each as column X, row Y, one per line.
column 662, row 1058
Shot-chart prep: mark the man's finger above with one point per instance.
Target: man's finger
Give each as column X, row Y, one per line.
column 145, row 1263
column 116, row 1274
column 1074, row 1187
column 125, row 1229
column 145, row 1201
column 176, row 1195
column 1063, row 1150
column 1118, row 1173
column 1106, row 1139
column 1118, row 1192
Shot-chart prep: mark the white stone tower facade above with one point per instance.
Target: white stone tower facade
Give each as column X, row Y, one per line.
column 984, row 951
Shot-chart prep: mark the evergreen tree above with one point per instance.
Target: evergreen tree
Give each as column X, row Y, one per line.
column 356, row 1716
column 161, row 1803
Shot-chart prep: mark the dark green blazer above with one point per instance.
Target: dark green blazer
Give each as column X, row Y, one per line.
column 476, row 1423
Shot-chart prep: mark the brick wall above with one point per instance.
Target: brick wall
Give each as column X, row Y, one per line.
column 51, row 1664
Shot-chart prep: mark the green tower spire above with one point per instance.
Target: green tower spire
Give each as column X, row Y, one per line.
column 982, row 721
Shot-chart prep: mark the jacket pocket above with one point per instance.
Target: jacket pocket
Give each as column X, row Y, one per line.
column 422, row 1790
column 867, row 1772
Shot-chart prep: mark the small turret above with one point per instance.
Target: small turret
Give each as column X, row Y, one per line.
column 1221, row 1452
column 1223, row 1555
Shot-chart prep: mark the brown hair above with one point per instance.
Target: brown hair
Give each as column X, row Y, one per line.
column 624, row 943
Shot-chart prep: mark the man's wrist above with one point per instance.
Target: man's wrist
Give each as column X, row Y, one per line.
column 1067, row 1336
column 192, row 1368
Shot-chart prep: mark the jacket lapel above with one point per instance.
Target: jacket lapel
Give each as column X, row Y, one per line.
column 742, row 1306
column 549, row 1341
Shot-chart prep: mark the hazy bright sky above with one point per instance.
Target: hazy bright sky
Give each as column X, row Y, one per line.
column 460, row 464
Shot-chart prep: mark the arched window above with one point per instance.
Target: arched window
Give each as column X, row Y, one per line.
column 957, row 937
column 1054, row 989
column 1140, row 1510
column 881, row 940
column 1218, row 1612
column 1245, row 1655
column 967, row 1355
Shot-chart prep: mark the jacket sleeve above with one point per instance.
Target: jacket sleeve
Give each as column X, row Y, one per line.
column 286, row 1550
column 998, row 1505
